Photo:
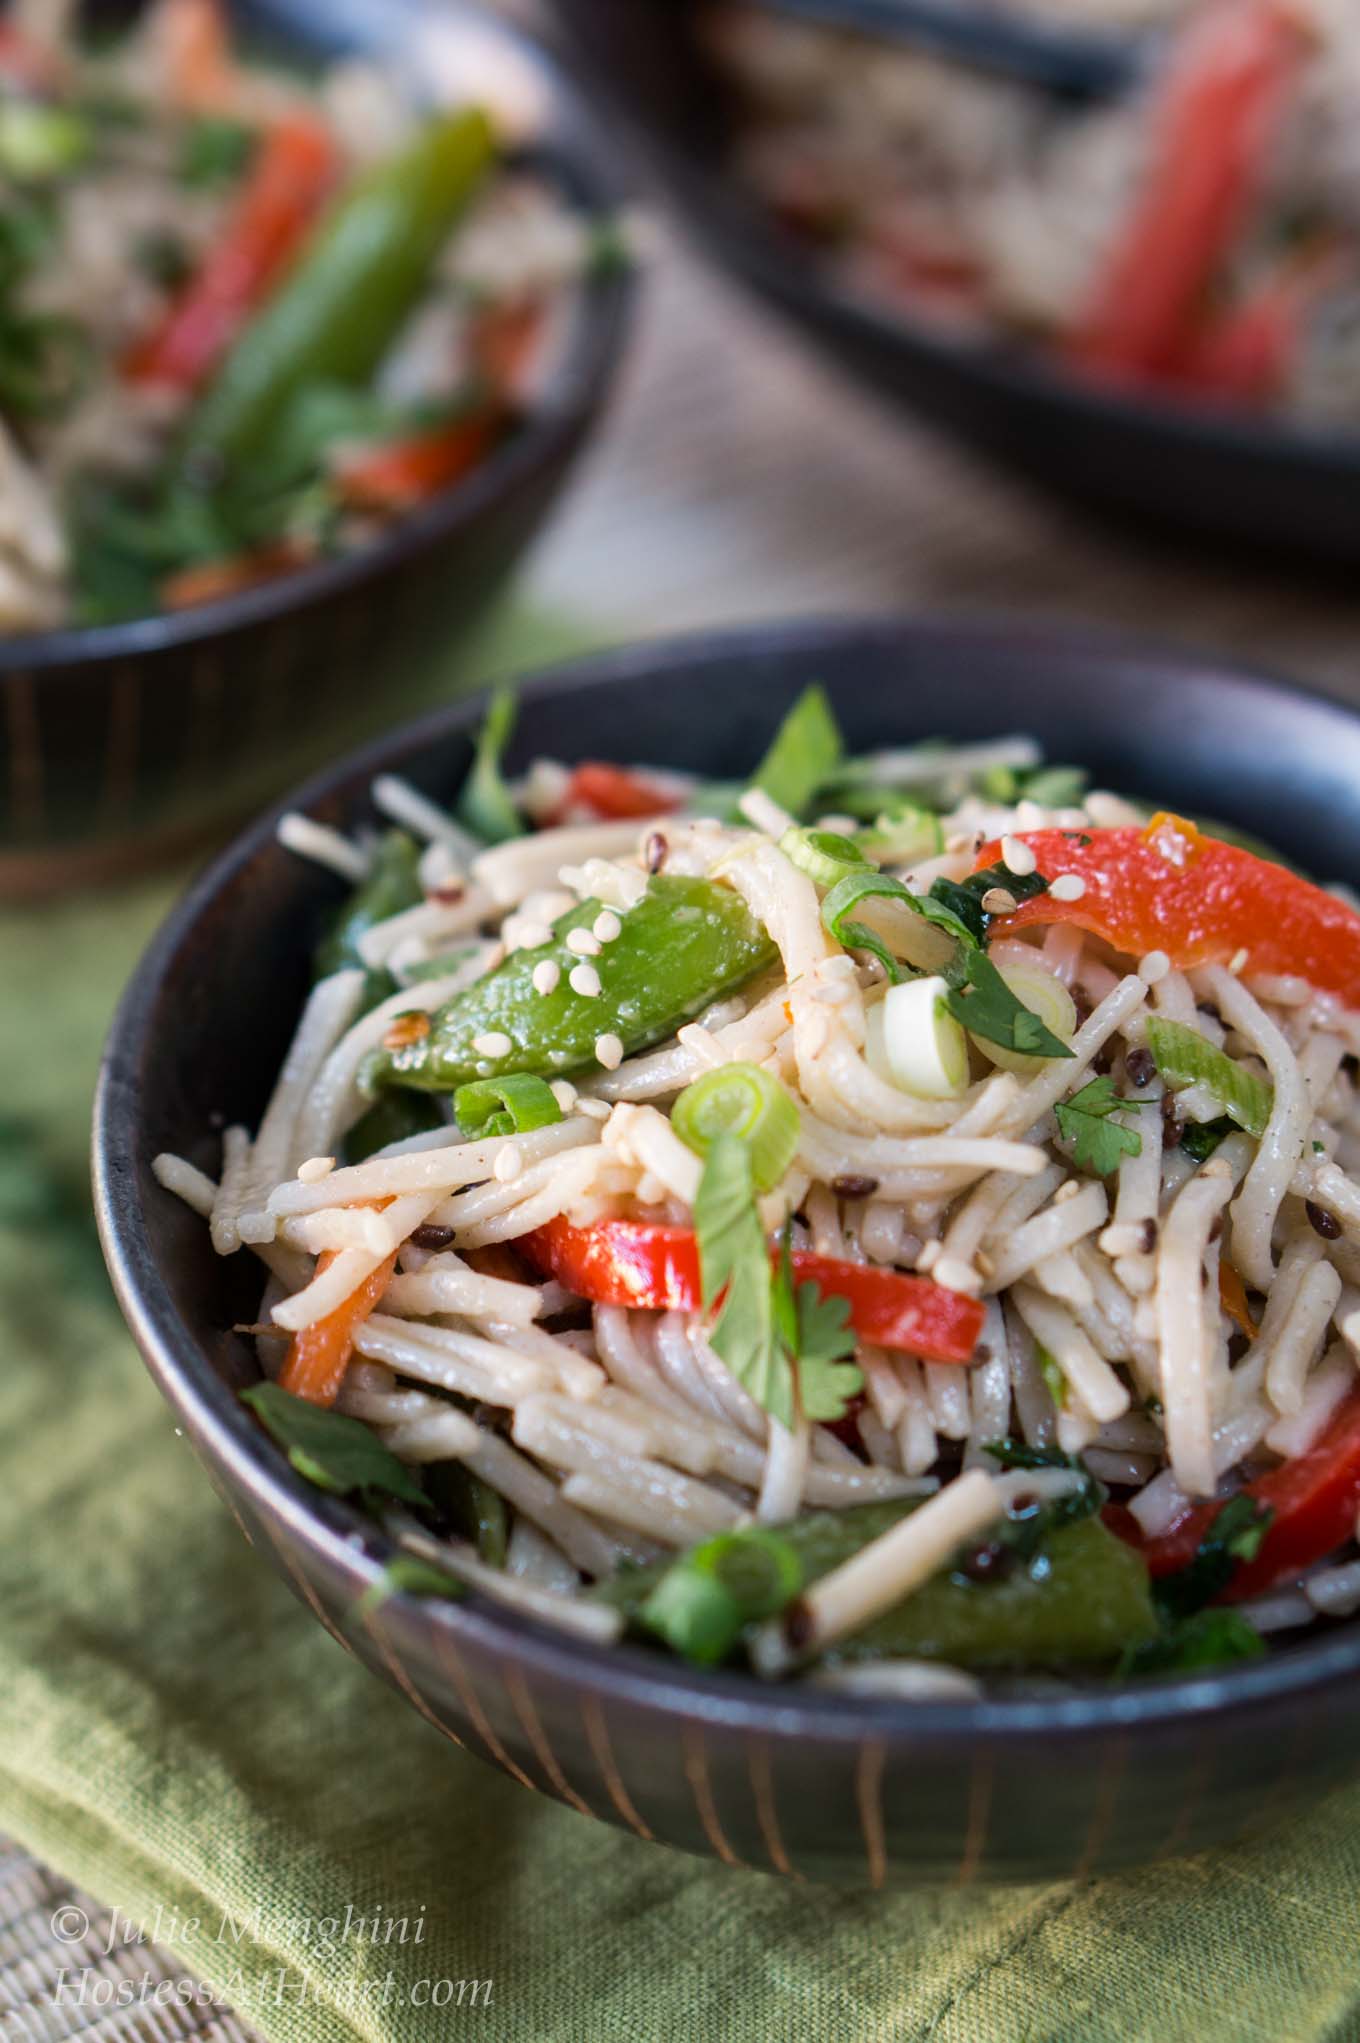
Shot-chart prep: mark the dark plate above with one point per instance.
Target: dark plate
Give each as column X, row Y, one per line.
column 824, row 1785
column 118, row 743
column 1285, row 493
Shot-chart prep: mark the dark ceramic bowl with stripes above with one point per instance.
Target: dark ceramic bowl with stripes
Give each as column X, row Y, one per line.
column 122, row 744
column 807, row 1782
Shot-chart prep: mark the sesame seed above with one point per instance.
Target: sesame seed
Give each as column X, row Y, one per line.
column 531, row 936
column 1068, row 887
column 564, row 1092
column 606, row 926
column 654, row 855
column 594, row 1110
column 1238, row 961
column 585, row 980
column 583, row 943
column 508, row 1164
column 609, row 1052
column 956, row 1275
column 1066, row 1191
column 928, row 1257
column 996, row 901
column 1154, row 968
column 547, row 973
column 1017, row 857
column 314, row 1168
column 493, row 1044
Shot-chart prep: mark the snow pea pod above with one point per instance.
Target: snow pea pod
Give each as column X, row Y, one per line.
column 338, row 311
column 392, row 883
column 681, row 947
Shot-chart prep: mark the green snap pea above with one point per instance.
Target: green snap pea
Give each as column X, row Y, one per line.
column 681, row 947
column 336, row 314
column 393, row 883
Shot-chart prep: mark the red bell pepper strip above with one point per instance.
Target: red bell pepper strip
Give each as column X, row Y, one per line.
column 1314, row 1498
column 293, row 175
column 1168, row 888
column 633, row 1263
column 614, row 794
column 1248, row 354
column 399, row 474
column 1220, row 102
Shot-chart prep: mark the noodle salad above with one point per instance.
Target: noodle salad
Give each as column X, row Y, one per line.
column 249, row 318
column 895, row 1222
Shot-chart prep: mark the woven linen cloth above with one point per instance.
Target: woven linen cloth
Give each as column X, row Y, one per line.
column 180, row 1737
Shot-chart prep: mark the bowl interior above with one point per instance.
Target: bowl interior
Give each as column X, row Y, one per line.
column 205, row 1022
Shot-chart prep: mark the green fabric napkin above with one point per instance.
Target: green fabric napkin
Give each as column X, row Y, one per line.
column 177, row 1734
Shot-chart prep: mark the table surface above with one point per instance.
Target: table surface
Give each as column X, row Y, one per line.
column 694, row 508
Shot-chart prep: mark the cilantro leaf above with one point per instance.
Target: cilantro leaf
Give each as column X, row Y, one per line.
column 826, row 1382
column 1235, row 1535
column 1210, row 1638
column 963, row 898
column 734, row 1260
column 805, row 754
column 336, row 1453
column 980, row 998
column 1090, row 1122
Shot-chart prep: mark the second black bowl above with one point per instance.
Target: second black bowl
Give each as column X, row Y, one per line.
column 1284, row 492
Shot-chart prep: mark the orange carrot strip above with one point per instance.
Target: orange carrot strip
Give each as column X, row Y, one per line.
column 319, row 1355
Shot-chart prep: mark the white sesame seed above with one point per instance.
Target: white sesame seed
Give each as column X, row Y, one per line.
column 547, row 973
column 594, row 1110
column 1066, row 1191
column 508, row 1164
column 1068, row 887
column 492, row 1044
column 314, row 1168
column 1121, row 1239
column 928, row 1257
column 585, row 980
column 531, row 935
column 1238, row 961
column 564, row 1092
column 606, row 926
column 956, row 1275
column 609, row 1051
column 583, row 943
column 1154, row 968
column 996, row 901
column 1017, row 857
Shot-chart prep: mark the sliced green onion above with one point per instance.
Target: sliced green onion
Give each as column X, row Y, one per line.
column 914, row 1042
column 1042, row 994
column 1184, row 1057
column 804, row 755
column 38, row 142
column 708, row 1595
column 905, row 922
column 505, row 1106
column 484, row 806
column 824, row 855
column 743, row 1100
column 903, row 834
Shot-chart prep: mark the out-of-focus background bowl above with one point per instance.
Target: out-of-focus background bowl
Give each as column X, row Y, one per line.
column 789, row 1778
column 123, row 743
column 1284, row 493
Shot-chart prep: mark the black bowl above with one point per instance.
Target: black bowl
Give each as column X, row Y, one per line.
column 1285, row 493
column 122, row 743
column 809, row 1782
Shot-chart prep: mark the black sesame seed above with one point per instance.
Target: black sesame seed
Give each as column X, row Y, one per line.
column 657, row 848
column 798, row 1625
column 987, row 1563
column 1140, row 1066
column 1149, row 1237
column 851, row 1186
column 431, row 1237
column 1321, row 1222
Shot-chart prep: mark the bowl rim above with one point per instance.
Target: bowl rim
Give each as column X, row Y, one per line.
column 339, row 1537
column 572, row 159
column 774, row 261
